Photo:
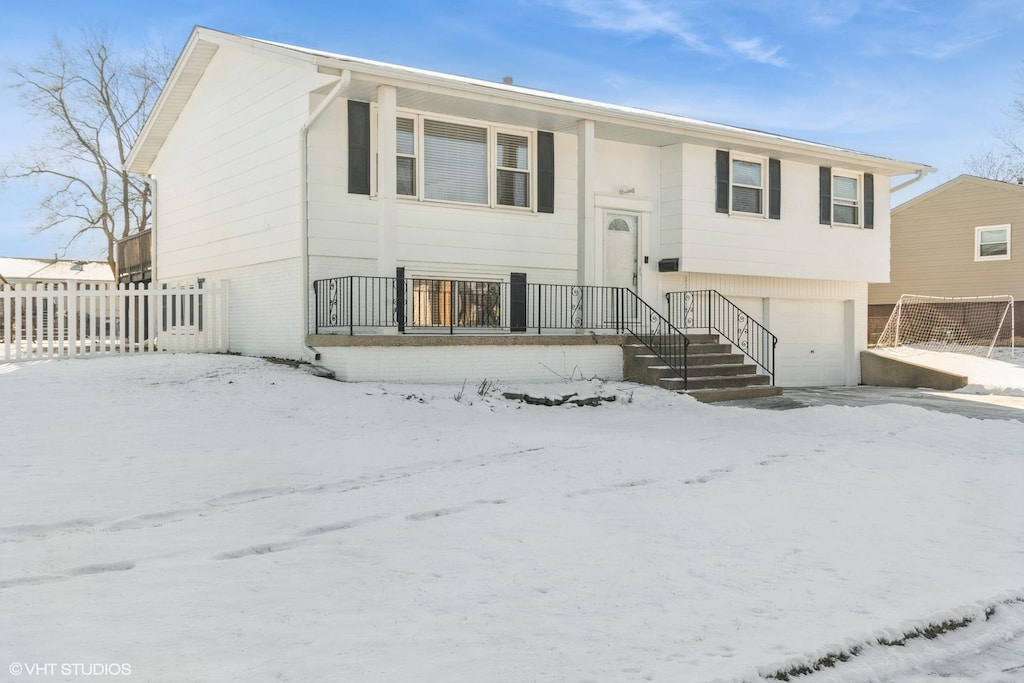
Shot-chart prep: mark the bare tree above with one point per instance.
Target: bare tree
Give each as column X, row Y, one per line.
column 1005, row 161
column 94, row 104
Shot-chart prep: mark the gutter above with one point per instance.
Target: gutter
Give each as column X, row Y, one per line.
column 339, row 87
column 920, row 174
column 152, row 231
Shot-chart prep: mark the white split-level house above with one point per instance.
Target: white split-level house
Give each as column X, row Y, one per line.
column 278, row 167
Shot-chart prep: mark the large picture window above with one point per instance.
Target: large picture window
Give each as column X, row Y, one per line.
column 454, row 161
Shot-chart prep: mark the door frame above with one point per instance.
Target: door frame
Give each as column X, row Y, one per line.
column 644, row 210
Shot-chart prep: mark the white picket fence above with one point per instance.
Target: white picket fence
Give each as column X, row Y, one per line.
column 71, row 319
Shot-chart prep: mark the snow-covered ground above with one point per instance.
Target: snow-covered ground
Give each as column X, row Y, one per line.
column 1001, row 374
column 219, row 518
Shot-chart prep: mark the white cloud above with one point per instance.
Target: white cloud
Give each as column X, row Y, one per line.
column 754, row 50
column 636, row 16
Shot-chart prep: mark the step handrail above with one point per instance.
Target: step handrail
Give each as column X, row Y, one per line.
column 708, row 308
column 658, row 334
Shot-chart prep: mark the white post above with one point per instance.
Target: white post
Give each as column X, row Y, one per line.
column 73, row 349
column 387, row 179
column 586, row 238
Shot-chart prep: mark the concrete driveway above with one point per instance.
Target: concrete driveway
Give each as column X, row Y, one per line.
column 983, row 407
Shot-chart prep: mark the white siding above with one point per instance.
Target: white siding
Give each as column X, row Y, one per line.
column 264, row 307
column 671, row 236
column 796, row 246
column 228, row 196
column 228, row 174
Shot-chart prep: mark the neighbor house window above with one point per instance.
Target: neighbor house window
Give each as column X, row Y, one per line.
column 461, row 162
column 992, row 243
column 747, row 186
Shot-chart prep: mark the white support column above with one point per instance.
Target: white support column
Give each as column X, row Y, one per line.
column 586, row 240
column 387, row 178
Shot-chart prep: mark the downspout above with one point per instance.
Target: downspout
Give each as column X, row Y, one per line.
column 339, row 87
column 152, row 231
column 907, row 183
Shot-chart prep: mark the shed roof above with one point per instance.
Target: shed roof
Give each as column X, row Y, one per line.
column 56, row 270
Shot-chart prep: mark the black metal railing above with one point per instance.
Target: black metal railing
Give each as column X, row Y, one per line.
column 343, row 304
column 708, row 309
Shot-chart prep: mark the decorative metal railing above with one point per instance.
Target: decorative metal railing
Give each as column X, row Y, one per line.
column 708, row 309
column 343, row 304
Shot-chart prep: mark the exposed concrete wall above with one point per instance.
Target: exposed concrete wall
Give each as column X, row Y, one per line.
column 882, row 371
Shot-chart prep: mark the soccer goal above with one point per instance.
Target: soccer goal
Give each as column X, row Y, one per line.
column 960, row 324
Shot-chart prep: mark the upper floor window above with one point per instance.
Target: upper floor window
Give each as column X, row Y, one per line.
column 405, row 157
column 747, row 185
column 992, row 243
column 846, row 198
column 460, row 162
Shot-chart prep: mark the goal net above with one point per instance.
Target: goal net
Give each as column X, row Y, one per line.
column 973, row 325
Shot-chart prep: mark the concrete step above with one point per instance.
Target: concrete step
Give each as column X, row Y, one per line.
column 732, row 394
column 692, row 359
column 650, row 374
column 694, row 338
column 721, row 382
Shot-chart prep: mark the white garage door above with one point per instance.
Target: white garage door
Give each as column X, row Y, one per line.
column 812, row 342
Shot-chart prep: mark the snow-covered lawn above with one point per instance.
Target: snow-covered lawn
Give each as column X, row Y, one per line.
column 218, row 518
column 1001, row 375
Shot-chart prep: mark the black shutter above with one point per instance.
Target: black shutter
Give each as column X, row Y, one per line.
column 825, row 195
column 869, row 201
column 721, row 181
column 774, row 189
column 358, row 147
column 517, row 302
column 545, row 172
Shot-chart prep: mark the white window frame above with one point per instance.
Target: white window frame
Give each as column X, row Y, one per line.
column 858, row 203
column 415, row 156
column 763, row 188
column 977, row 242
column 493, row 130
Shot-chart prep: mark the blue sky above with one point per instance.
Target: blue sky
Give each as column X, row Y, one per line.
column 917, row 80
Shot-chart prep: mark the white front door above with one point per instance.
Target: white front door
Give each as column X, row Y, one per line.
column 620, row 249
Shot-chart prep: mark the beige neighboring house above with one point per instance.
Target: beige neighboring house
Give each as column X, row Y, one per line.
column 955, row 240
